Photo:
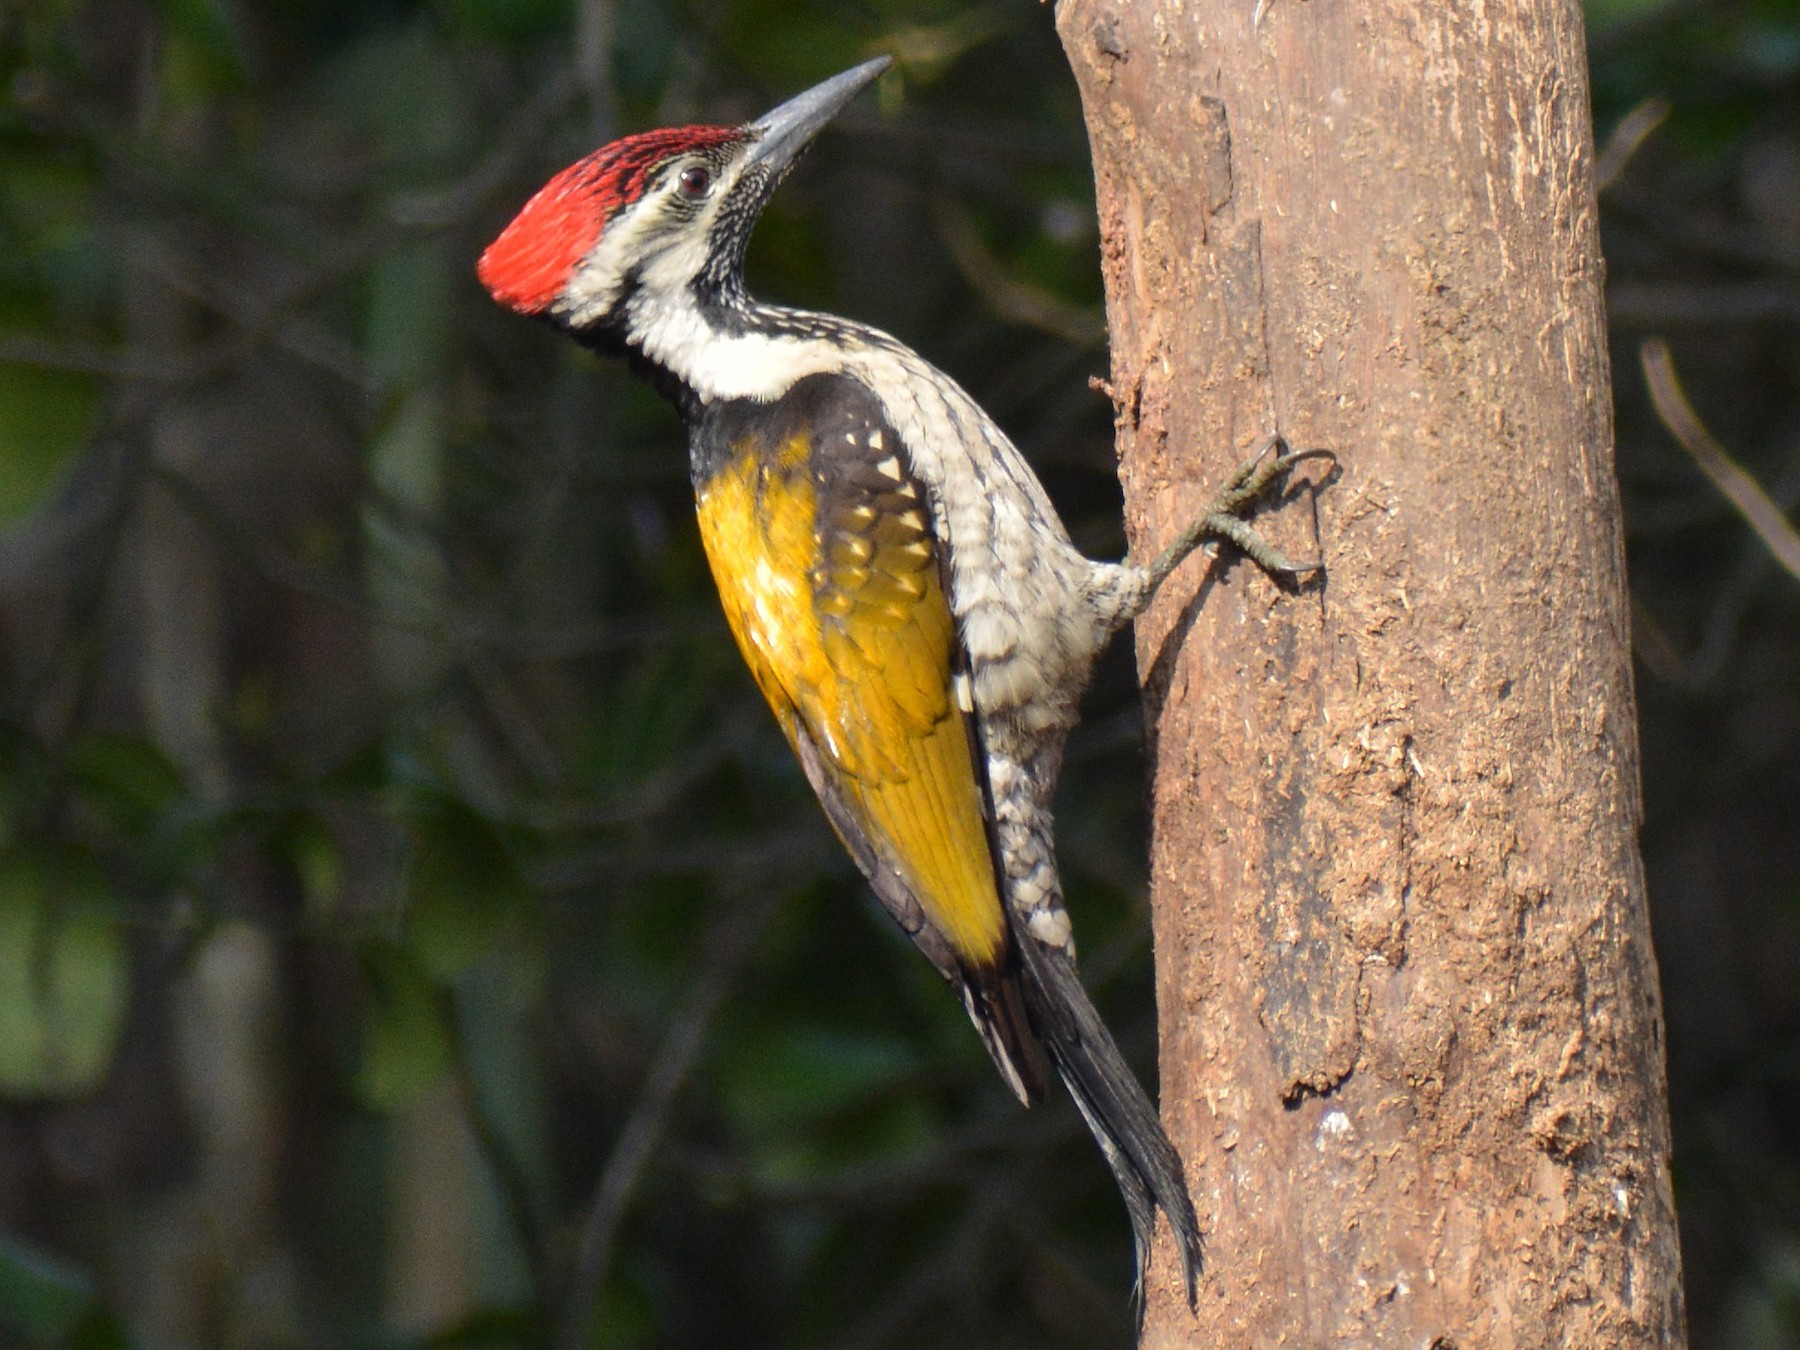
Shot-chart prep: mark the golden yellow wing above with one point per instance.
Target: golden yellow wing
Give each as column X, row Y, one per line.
column 827, row 567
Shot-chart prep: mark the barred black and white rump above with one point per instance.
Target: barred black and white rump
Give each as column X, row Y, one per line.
column 1124, row 1123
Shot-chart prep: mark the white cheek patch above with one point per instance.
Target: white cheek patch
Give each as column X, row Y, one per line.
column 649, row 235
column 680, row 259
column 594, row 287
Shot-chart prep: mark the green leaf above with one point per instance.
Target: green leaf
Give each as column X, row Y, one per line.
column 1605, row 13
column 64, row 974
column 799, row 1079
column 406, row 1046
column 128, row 779
column 653, row 712
column 462, row 888
column 314, row 857
column 41, row 1296
column 202, row 50
column 507, row 20
column 500, row 1328
column 44, row 419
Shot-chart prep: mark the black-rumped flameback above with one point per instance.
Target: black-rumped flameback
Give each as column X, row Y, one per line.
column 901, row 587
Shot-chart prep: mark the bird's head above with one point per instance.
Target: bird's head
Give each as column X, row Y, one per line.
column 652, row 229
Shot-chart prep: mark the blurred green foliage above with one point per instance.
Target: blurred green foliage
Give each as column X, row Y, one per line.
column 62, row 973
column 398, row 870
column 51, row 1302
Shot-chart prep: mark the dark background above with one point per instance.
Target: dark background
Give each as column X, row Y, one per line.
column 409, row 915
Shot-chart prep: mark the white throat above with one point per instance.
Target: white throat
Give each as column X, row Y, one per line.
column 717, row 364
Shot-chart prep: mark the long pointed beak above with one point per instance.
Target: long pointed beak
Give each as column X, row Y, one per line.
column 789, row 129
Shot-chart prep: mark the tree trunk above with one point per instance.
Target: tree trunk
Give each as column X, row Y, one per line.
column 1412, row 1043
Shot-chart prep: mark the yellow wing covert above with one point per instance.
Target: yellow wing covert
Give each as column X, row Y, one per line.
column 821, row 543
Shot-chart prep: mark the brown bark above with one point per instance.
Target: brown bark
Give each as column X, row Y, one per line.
column 1412, row 1043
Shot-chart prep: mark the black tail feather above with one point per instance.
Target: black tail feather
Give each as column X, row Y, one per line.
column 1144, row 1163
column 993, row 998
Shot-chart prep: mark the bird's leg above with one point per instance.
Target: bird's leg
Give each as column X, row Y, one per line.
column 1224, row 519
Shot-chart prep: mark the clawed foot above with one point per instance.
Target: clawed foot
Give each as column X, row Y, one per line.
column 1224, row 519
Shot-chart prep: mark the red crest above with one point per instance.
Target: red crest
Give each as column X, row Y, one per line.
column 528, row 266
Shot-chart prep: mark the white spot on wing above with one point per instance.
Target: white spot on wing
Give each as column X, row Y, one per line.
column 1050, row 927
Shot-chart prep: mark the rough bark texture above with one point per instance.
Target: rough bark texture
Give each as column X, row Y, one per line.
column 1412, row 1044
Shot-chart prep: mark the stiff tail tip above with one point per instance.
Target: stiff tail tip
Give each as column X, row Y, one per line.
column 1144, row 1163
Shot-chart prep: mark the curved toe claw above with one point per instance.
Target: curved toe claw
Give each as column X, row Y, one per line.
column 1226, row 518
column 1259, row 550
column 1251, row 479
column 1288, row 458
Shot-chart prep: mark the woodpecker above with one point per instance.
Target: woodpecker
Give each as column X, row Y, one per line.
column 904, row 593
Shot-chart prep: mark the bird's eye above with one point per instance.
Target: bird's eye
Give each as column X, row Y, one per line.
column 696, row 181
